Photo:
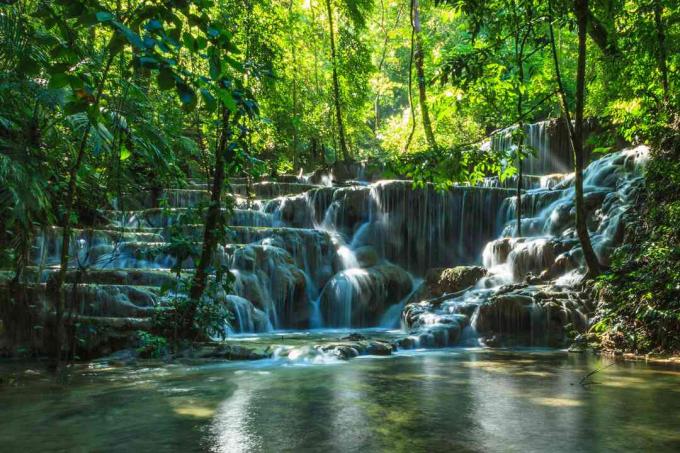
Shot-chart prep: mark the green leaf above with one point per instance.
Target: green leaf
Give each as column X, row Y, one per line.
column 29, row 66
column 227, row 99
column 166, row 79
column 148, row 62
column 186, row 95
column 209, row 99
column 124, row 153
column 104, row 16
column 215, row 66
column 75, row 107
column 234, row 63
column 58, row 80
column 132, row 37
column 153, row 25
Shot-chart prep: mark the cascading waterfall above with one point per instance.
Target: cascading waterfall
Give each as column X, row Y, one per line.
column 306, row 253
column 505, row 301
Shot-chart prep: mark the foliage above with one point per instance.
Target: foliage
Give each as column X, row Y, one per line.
column 102, row 98
column 641, row 295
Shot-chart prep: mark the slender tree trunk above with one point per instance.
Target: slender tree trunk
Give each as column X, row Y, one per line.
column 420, row 73
column 579, row 153
column 661, row 55
column 294, row 87
column 520, row 164
column 410, row 88
column 576, row 130
column 336, row 86
column 519, row 56
column 213, row 224
column 57, row 288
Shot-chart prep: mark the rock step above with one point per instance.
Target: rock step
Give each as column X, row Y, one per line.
column 183, row 198
column 119, row 276
column 243, row 180
column 165, row 217
column 108, row 300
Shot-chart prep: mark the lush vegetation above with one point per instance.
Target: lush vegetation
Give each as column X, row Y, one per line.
column 99, row 98
column 640, row 308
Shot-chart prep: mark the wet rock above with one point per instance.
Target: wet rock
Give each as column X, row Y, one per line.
column 229, row 352
column 345, row 351
column 354, row 337
column 367, row 256
column 442, row 281
column 341, row 351
column 358, row 297
column 125, row 357
column 433, row 336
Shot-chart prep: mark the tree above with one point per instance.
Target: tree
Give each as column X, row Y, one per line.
column 336, row 86
column 419, row 58
column 576, row 129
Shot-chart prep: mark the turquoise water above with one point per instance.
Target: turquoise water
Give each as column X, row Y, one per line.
column 446, row 400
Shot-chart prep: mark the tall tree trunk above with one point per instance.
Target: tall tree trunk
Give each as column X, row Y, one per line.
column 420, row 72
column 661, row 51
column 410, row 88
column 57, row 288
column 519, row 57
column 224, row 154
column 579, row 153
column 294, row 87
column 336, row 86
column 576, row 130
column 519, row 182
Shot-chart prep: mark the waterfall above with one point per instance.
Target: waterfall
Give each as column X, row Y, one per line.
column 306, row 252
column 527, row 294
column 548, row 143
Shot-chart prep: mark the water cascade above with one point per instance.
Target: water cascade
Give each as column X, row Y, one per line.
column 309, row 252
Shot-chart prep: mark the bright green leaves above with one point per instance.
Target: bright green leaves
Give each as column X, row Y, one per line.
column 124, row 153
column 227, row 99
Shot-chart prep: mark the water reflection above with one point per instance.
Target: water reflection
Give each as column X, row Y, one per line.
column 462, row 400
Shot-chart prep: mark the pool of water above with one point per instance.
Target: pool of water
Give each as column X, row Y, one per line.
column 445, row 400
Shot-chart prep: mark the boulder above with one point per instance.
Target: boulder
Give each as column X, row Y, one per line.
column 440, row 281
column 358, row 297
column 367, row 256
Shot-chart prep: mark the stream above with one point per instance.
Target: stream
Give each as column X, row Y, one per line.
column 454, row 399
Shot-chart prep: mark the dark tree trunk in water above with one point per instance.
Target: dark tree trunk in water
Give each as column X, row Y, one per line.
column 336, row 86
column 420, row 73
column 213, row 223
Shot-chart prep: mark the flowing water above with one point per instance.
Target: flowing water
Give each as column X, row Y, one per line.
column 313, row 252
column 319, row 252
column 444, row 400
